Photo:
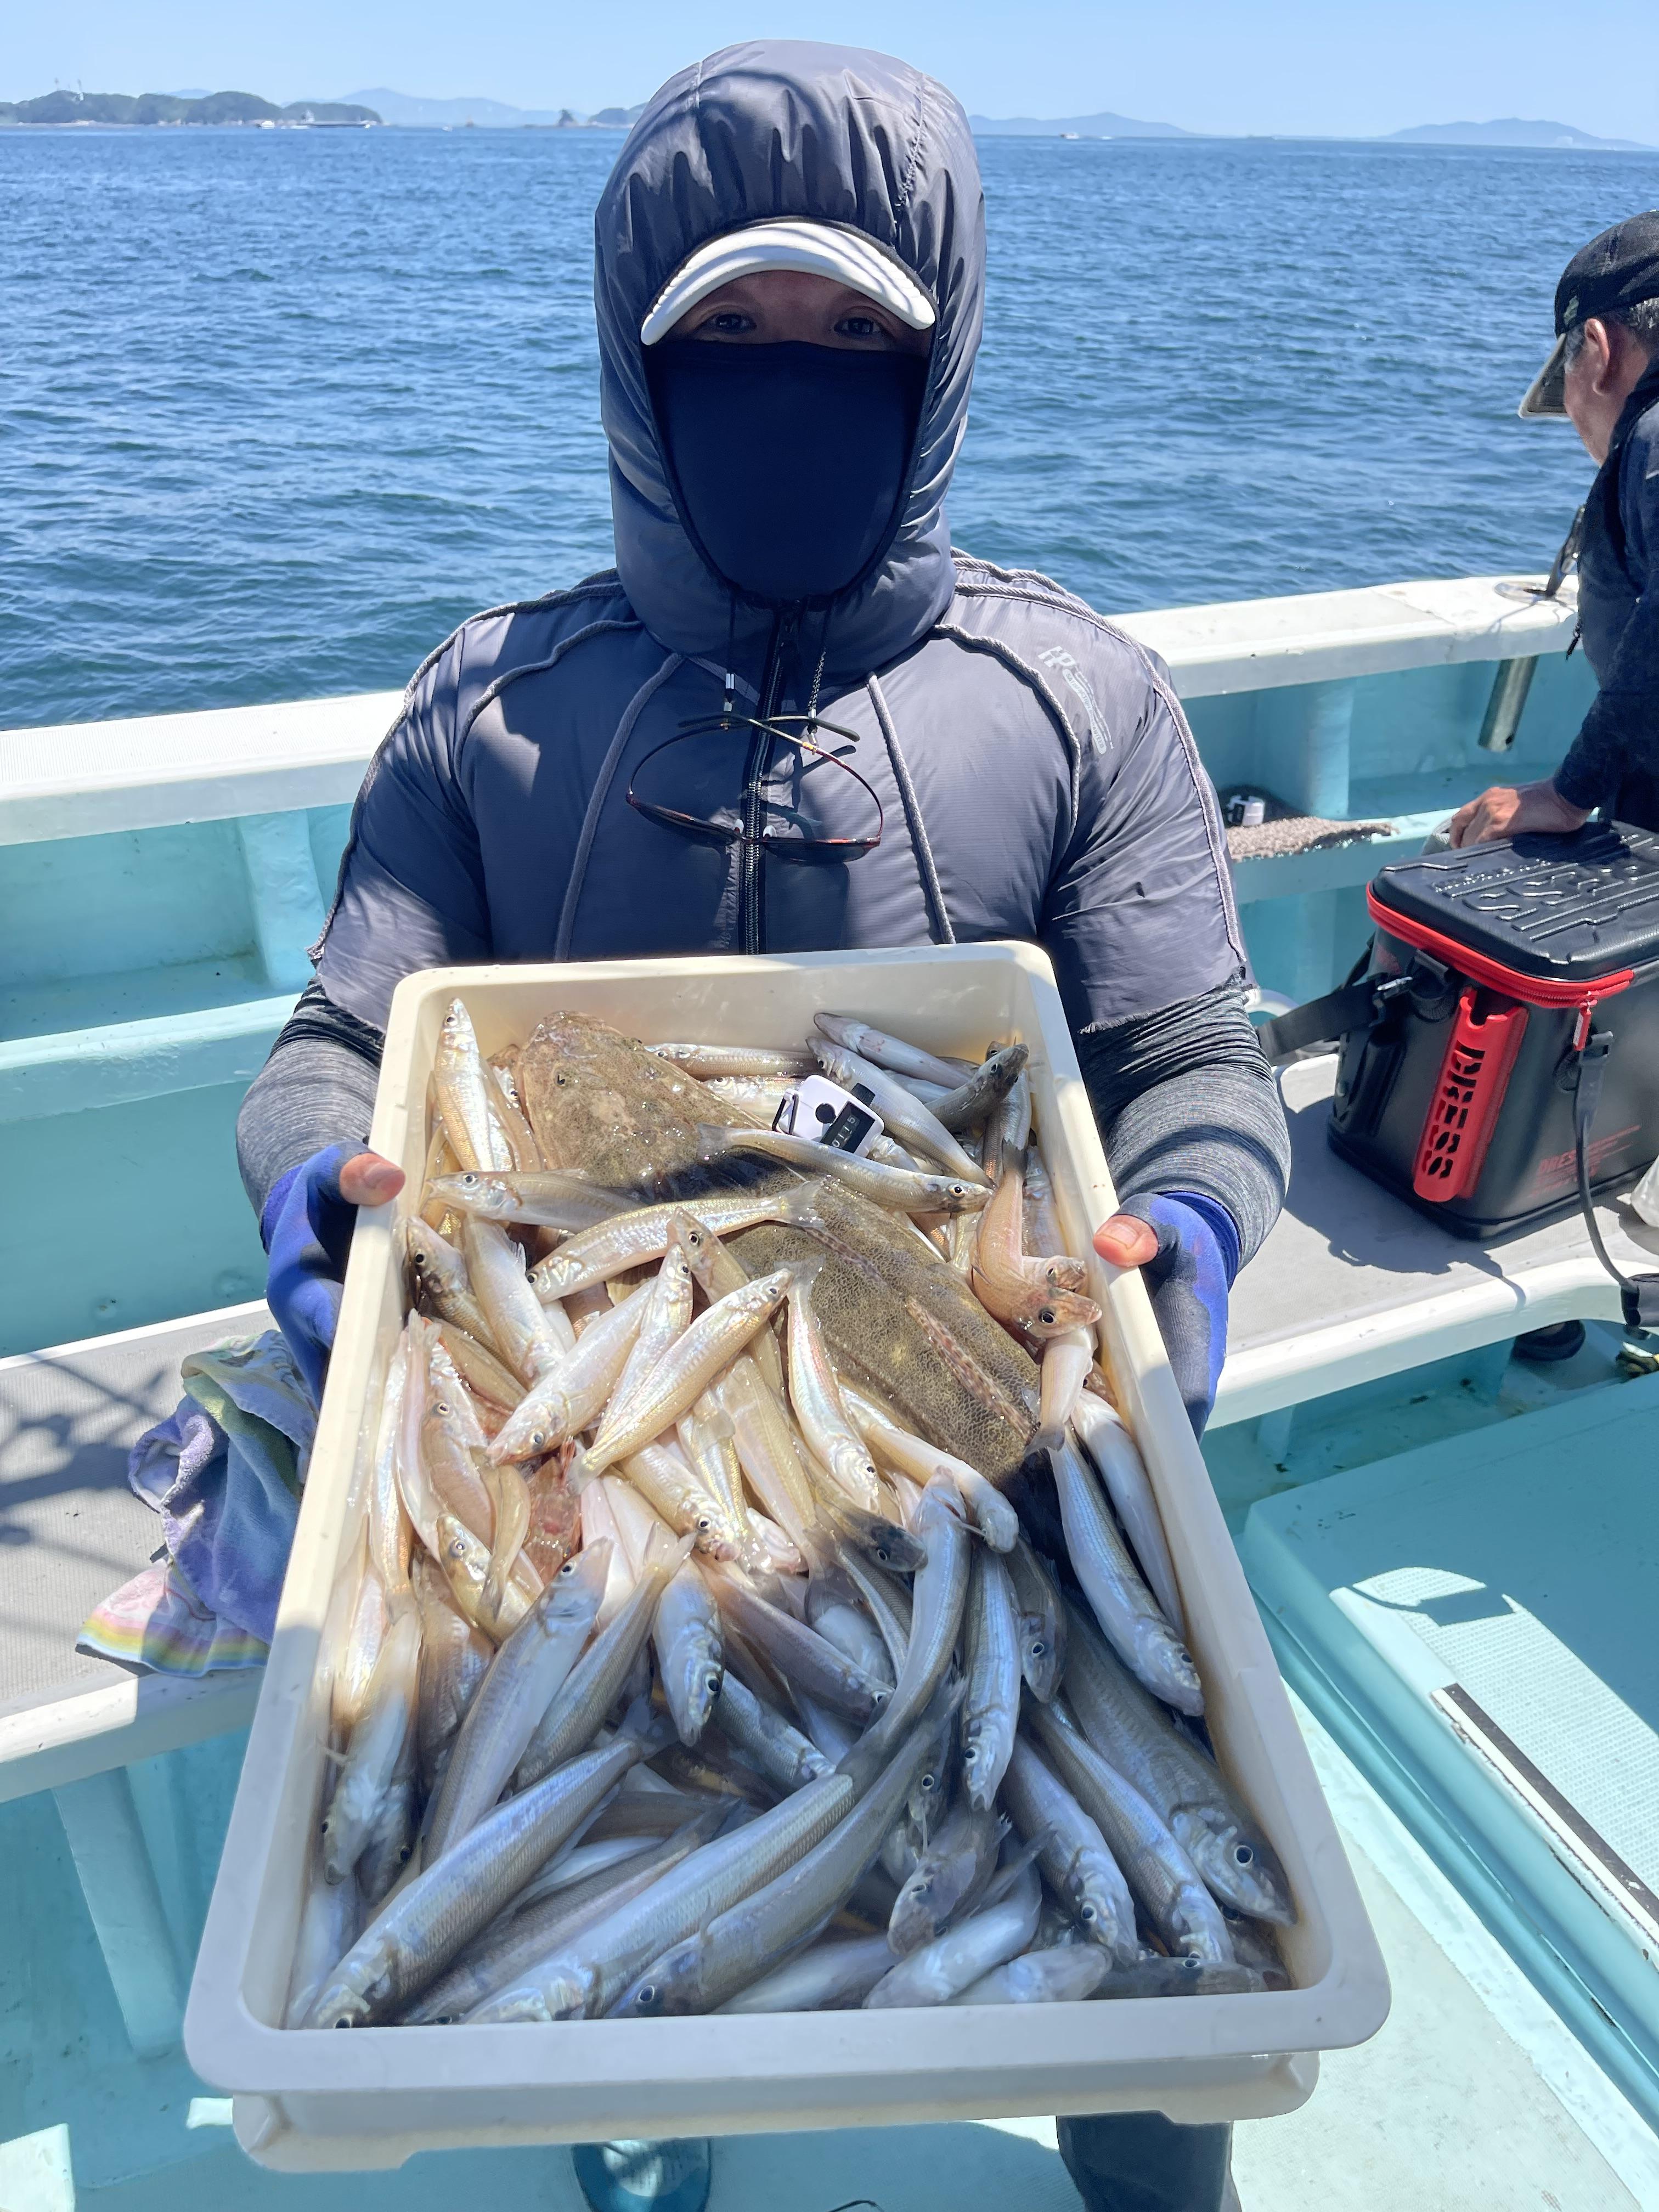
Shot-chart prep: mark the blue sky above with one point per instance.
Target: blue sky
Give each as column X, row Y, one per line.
column 1353, row 67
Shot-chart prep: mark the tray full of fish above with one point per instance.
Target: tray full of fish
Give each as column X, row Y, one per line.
column 758, row 1613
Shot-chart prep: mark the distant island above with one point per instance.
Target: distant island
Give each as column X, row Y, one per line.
column 405, row 111
column 409, row 112
column 1512, row 131
column 171, row 108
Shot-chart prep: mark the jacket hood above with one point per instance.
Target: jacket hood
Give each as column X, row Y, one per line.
column 831, row 134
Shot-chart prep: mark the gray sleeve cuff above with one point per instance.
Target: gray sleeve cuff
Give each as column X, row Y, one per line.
column 1186, row 1101
column 317, row 1088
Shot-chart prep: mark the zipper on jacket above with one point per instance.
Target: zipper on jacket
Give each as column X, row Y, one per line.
column 750, row 883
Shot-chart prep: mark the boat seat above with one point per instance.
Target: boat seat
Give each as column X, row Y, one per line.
column 1353, row 1285
column 72, row 1531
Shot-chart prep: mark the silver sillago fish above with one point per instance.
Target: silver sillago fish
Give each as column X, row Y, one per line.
column 951, row 1871
column 992, row 1515
column 804, row 1657
column 762, row 1737
column 765, row 1439
column 991, row 1713
column 685, row 1634
column 1167, row 1885
column 541, row 1199
column 1125, row 1609
column 569, row 1393
column 915, row 1126
column 815, row 1395
column 739, row 1945
column 329, row 1920
column 596, row 1681
column 1065, row 1975
column 940, row 1591
column 455, row 1657
column 1118, row 1462
column 632, row 1239
column 1067, row 1359
column 954, row 1961
column 1071, row 1852
column 523, row 1933
column 892, row 1052
column 1134, row 1735
column 441, row 1279
column 888, row 1605
column 686, row 1637
column 410, row 1943
column 736, row 1062
column 1010, row 1123
column 901, row 1190
column 526, row 1673
column 463, row 1095
column 972, row 1100
column 830, row 1977
column 390, row 1843
column 686, row 1370
column 660, row 1475
column 1041, row 1622
column 519, row 1327
column 584, row 1978
column 376, row 1742
column 666, row 1313
column 835, row 1609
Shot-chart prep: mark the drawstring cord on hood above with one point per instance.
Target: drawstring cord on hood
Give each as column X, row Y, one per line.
column 600, row 792
column 931, row 890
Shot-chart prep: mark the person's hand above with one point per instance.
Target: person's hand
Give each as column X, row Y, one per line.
column 306, row 1226
column 1510, row 811
column 1181, row 1251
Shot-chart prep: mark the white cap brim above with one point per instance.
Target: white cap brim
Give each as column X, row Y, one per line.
column 821, row 249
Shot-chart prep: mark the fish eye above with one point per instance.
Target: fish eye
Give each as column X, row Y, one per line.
column 1243, row 1855
column 1039, row 1649
column 705, row 1526
column 568, row 1568
column 538, row 1437
column 648, row 1995
column 1046, row 1316
column 1087, row 1915
column 470, row 1179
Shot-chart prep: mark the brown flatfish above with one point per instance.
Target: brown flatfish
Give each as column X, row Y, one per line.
column 598, row 1101
column 909, row 1325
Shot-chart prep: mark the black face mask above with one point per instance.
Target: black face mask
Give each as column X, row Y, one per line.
column 788, row 463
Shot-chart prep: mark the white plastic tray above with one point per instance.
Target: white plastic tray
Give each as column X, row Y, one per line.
column 373, row 2096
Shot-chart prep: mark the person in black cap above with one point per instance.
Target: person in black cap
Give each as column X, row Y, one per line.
column 1604, row 374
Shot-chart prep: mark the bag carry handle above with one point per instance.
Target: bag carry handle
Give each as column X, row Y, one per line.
column 1638, row 1296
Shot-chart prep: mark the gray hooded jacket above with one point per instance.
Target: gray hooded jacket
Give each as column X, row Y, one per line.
column 1035, row 773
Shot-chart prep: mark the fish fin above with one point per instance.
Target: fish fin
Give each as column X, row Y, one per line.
column 576, row 1474
column 798, row 1206
column 716, row 1137
column 666, row 1553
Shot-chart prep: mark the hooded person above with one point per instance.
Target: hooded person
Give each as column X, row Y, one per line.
column 789, row 283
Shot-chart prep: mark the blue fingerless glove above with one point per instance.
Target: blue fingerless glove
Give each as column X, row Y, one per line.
column 306, row 1228
column 1189, row 1277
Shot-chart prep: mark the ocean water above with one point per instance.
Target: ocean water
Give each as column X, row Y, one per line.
column 278, row 408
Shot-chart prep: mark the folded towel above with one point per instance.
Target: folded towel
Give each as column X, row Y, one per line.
column 224, row 1471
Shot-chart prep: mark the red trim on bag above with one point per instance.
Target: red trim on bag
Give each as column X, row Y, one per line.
column 1457, row 1129
column 1530, row 990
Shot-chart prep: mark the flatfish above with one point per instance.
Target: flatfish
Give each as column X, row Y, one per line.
column 600, row 1102
column 908, row 1324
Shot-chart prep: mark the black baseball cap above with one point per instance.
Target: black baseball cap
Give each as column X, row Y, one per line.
column 1618, row 270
